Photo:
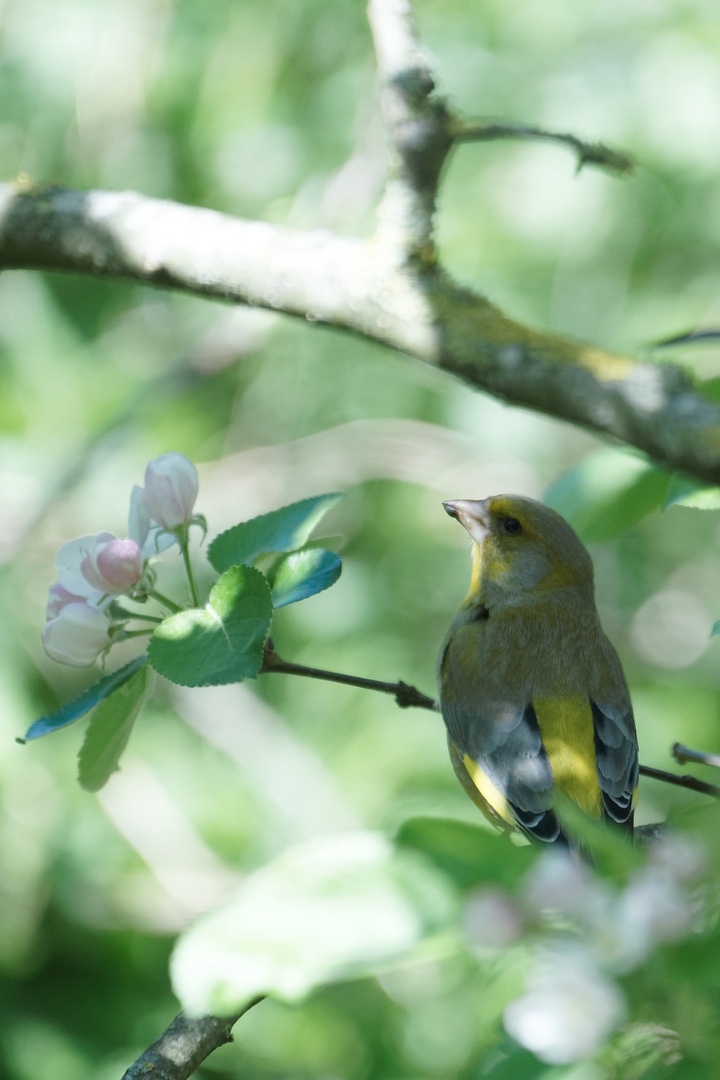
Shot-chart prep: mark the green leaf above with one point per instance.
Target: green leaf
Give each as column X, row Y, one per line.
column 67, row 714
column 687, row 491
column 609, row 491
column 281, row 530
column 716, row 629
column 511, row 1062
column 469, row 854
column 710, row 389
column 337, row 908
column 304, row 573
column 221, row 643
column 109, row 731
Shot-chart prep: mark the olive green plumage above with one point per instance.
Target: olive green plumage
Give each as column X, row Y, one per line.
column 531, row 690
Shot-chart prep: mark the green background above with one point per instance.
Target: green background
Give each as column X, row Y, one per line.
column 267, row 108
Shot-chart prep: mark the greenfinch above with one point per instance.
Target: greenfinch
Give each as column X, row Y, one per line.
column 532, row 692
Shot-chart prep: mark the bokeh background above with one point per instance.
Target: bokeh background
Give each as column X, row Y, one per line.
column 267, row 108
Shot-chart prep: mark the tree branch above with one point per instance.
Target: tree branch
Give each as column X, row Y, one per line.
column 686, row 781
column 419, row 127
column 603, row 157
column 408, row 696
column 389, row 289
column 183, row 1046
column 405, row 695
column 684, row 753
column 371, row 288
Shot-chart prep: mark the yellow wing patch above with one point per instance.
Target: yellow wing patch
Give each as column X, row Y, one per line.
column 495, row 799
column 493, row 804
column 568, row 734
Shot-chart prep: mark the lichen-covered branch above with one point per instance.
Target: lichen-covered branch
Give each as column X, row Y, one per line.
column 183, row 1046
column 389, row 288
column 372, row 288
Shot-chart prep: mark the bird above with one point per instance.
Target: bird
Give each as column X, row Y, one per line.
column 531, row 690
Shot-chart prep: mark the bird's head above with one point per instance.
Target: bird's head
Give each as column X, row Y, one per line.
column 521, row 547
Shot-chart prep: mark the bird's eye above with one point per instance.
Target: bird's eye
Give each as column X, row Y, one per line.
column 511, row 525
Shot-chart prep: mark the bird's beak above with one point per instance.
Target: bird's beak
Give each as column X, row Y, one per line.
column 472, row 515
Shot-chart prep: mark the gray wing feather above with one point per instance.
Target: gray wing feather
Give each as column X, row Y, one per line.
column 616, row 753
column 510, row 752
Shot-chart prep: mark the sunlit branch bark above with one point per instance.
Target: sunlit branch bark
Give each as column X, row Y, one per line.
column 372, row 288
column 183, row 1046
column 389, row 289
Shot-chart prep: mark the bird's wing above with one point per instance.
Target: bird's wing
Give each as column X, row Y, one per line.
column 505, row 759
column 616, row 753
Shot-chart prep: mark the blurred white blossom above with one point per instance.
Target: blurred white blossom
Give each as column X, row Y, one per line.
column 568, row 1009
column 594, row 931
column 493, row 919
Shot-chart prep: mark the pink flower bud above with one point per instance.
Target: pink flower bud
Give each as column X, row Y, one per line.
column 77, row 635
column 171, row 487
column 111, row 565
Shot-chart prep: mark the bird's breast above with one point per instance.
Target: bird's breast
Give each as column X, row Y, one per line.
column 535, row 651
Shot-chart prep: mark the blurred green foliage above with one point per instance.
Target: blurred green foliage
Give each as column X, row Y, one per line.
column 267, row 108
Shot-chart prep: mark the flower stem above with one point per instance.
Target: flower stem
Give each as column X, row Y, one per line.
column 164, row 600
column 184, row 547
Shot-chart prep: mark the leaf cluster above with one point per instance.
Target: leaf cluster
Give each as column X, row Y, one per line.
column 220, row 643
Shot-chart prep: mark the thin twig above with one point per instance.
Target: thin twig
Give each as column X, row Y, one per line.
column 684, row 753
column 183, row 1046
column 406, row 696
column 690, row 338
column 409, row 696
column 604, row 157
column 685, row 781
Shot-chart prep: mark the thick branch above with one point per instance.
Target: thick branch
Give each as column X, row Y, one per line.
column 419, row 127
column 183, row 1046
column 368, row 287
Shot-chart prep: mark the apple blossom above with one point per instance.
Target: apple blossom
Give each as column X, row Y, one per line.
column 568, row 1009
column 77, row 634
column 68, row 563
column 152, row 539
column 112, row 566
column 624, row 925
column 171, row 487
column 492, row 919
column 91, row 570
column 58, row 598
